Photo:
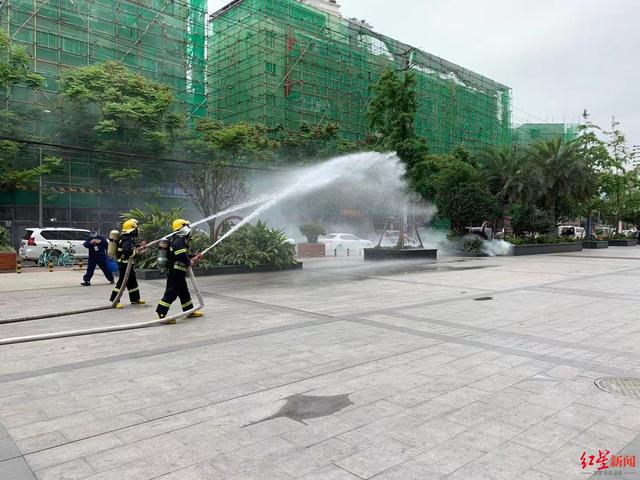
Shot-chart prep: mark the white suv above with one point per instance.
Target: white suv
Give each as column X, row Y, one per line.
column 35, row 240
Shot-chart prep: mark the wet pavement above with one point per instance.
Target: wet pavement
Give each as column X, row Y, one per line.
column 467, row 368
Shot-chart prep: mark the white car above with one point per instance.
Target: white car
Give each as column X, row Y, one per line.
column 35, row 240
column 339, row 243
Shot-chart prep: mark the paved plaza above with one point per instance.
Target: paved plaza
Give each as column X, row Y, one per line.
column 478, row 368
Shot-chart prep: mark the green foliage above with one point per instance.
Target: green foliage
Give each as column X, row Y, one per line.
column 422, row 176
column 312, row 231
column 463, row 197
column 391, row 115
column 5, row 241
column 527, row 219
column 565, row 173
column 124, row 110
column 253, row 245
column 310, row 143
column 538, row 240
column 15, row 70
column 15, row 67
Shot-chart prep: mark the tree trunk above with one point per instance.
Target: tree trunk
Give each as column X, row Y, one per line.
column 212, row 229
column 552, row 213
column 506, row 220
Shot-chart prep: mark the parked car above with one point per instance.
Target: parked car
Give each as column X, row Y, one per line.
column 340, row 242
column 35, row 240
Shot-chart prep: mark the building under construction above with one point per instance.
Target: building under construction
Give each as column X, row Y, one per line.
column 291, row 62
column 163, row 40
column 283, row 63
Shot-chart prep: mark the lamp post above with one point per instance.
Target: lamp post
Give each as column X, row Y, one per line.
column 41, row 179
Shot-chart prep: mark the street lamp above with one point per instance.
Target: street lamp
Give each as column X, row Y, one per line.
column 41, row 180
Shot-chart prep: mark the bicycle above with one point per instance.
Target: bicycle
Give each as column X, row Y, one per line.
column 66, row 258
column 48, row 255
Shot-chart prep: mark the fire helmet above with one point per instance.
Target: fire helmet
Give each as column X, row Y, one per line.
column 129, row 226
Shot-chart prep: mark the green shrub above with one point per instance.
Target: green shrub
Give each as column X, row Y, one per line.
column 538, row 240
column 253, row 245
column 5, row 241
column 312, row 231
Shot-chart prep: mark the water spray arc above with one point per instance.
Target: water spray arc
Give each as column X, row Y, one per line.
column 311, row 179
column 250, row 203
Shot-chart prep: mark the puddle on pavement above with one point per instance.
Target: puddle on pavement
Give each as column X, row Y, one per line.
column 302, row 407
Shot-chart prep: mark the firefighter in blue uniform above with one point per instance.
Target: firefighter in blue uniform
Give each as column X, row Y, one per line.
column 178, row 263
column 126, row 249
column 96, row 244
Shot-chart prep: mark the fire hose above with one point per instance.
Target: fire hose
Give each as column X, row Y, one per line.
column 128, row 271
column 113, row 328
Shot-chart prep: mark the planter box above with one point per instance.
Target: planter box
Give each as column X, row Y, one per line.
column 7, row 261
column 595, row 244
column 632, row 242
column 152, row 274
column 395, row 253
column 536, row 249
column 311, row 250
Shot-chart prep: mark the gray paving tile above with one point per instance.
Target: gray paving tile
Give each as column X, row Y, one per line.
column 16, row 469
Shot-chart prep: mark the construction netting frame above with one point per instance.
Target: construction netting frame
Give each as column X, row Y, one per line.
column 280, row 62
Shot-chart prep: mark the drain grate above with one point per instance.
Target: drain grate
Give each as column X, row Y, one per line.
column 628, row 387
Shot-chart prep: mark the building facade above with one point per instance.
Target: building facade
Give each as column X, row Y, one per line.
column 288, row 63
column 163, row 40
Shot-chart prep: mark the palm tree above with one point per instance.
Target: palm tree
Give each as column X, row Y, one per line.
column 565, row 172
column 511, row 177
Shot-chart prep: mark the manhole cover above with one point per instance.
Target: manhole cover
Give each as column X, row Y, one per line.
column 628, row 387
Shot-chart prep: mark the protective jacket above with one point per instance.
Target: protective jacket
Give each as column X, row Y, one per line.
column 97, row 251
column 126, row 246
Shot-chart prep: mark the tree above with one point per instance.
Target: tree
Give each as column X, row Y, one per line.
column 595, row 153
column 123, row 110
column 392, row 113
column 463, row 197
column 115, row 110
column 565, row 173
column 619, row 178
column 310, row 143
column 510, row 178
column 15, row 71
column 218, row 183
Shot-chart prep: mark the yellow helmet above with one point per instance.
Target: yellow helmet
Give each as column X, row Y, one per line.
column 178, row 223
column 129, row 226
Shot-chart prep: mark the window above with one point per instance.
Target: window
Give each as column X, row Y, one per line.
column 27, row 234
column 270, row 68
column 271, row 39
column 73, row 46
column 44, row 39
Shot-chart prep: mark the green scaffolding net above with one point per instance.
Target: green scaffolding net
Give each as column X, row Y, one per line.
column 280, row 62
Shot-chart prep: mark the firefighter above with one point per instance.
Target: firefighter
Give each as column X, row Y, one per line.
column 126, row 248
column 96, row 244
column 178, row 262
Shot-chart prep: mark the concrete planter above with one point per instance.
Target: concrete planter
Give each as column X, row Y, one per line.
column 539, row 249
column 632, row 242
column 595, row 244
column 306, row 250
column 395, row 253
column 7, row 261
column 152, row 274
